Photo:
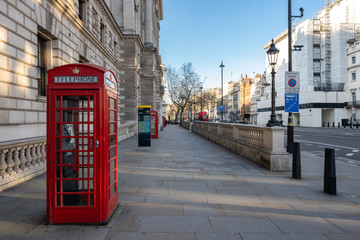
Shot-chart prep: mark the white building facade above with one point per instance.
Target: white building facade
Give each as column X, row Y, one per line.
column 322, row 64
column 353, row 101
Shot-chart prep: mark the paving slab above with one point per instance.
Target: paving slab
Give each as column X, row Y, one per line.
column 242, row 225
column 303, row 224
column 246, row 236
column 167, row 224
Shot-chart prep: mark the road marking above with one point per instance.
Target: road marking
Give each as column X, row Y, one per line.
column 328, row 145
column 355, row 150
column 349, row 154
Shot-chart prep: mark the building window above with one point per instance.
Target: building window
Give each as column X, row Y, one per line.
column 353, row 76
column 353, row 98
column 83, row 59
column 41, row 66
column 82, row 10
column 353, row 60
column 102, row 33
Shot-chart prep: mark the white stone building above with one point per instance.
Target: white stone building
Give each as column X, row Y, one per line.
column 322, row 64
column 353, row 102
column 35, row 36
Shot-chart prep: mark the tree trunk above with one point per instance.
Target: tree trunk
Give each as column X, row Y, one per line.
column 177, row 114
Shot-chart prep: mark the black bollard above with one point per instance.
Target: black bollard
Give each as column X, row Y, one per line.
column 338, row 124
column 333, row 124
column 328, row 124
column 330, row 171
column 296, row 164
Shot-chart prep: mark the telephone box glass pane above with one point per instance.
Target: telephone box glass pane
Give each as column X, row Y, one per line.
column 112, row 103
column 112, row 116
column 75, row 200
column 112, row 140
column 75, row 115
column 112, row 165
column 75, row 101
column 112, row 190
column 112, row 153
column 91, row 102
column 58, row 116
column 58, row 100
column 112, row 128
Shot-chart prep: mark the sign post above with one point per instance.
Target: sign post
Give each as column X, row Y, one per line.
column 292, row 89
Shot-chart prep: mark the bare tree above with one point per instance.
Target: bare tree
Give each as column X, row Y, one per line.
column 181, row 85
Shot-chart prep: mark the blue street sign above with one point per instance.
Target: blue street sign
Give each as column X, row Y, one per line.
column 221, row 108
column 291, row 102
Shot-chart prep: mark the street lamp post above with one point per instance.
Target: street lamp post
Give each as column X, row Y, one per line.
column 222, row 96
column 201, row 106
column 290, row 126
column 273, row 54
column 194, row 108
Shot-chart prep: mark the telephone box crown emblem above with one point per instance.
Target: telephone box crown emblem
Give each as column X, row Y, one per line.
column 76, row 70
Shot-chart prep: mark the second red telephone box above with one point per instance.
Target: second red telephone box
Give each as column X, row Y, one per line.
column 82, row 167
column 154, row 124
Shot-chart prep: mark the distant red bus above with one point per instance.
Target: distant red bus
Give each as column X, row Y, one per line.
column 202, row 116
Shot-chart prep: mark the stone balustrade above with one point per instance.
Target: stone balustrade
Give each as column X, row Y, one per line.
column 262, row 145
column 21, row 160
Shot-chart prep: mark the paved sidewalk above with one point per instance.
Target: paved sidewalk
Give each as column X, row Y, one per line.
column 187, row 188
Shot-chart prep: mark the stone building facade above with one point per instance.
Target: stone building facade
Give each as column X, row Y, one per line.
column 35, row 36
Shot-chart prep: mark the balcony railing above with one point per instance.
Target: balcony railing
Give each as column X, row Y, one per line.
column 353, row 104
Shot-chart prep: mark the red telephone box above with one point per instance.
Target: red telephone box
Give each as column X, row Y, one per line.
column 154, row 124
column 82, row 172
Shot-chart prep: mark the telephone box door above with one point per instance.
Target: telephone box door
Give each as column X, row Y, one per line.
column 74, row 166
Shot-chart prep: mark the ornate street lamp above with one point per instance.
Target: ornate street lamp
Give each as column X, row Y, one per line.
column 222, row 95
column 273, row 54
column 201, row 106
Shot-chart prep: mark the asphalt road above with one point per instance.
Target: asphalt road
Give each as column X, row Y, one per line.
column 345, row 141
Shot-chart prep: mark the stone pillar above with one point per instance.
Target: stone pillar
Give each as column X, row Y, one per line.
column 149, row 23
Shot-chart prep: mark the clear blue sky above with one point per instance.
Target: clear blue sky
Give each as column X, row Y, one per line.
column 206, row 32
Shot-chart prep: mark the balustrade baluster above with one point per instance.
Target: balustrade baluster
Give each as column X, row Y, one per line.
column 33, row 155
column 22, row 158
column 38, row 154
column 16, row 160
column 28, row 156
column 3, row 165
column 9, row 161
column 43, row 152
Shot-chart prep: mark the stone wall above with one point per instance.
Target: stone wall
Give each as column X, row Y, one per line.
column 262, row 145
